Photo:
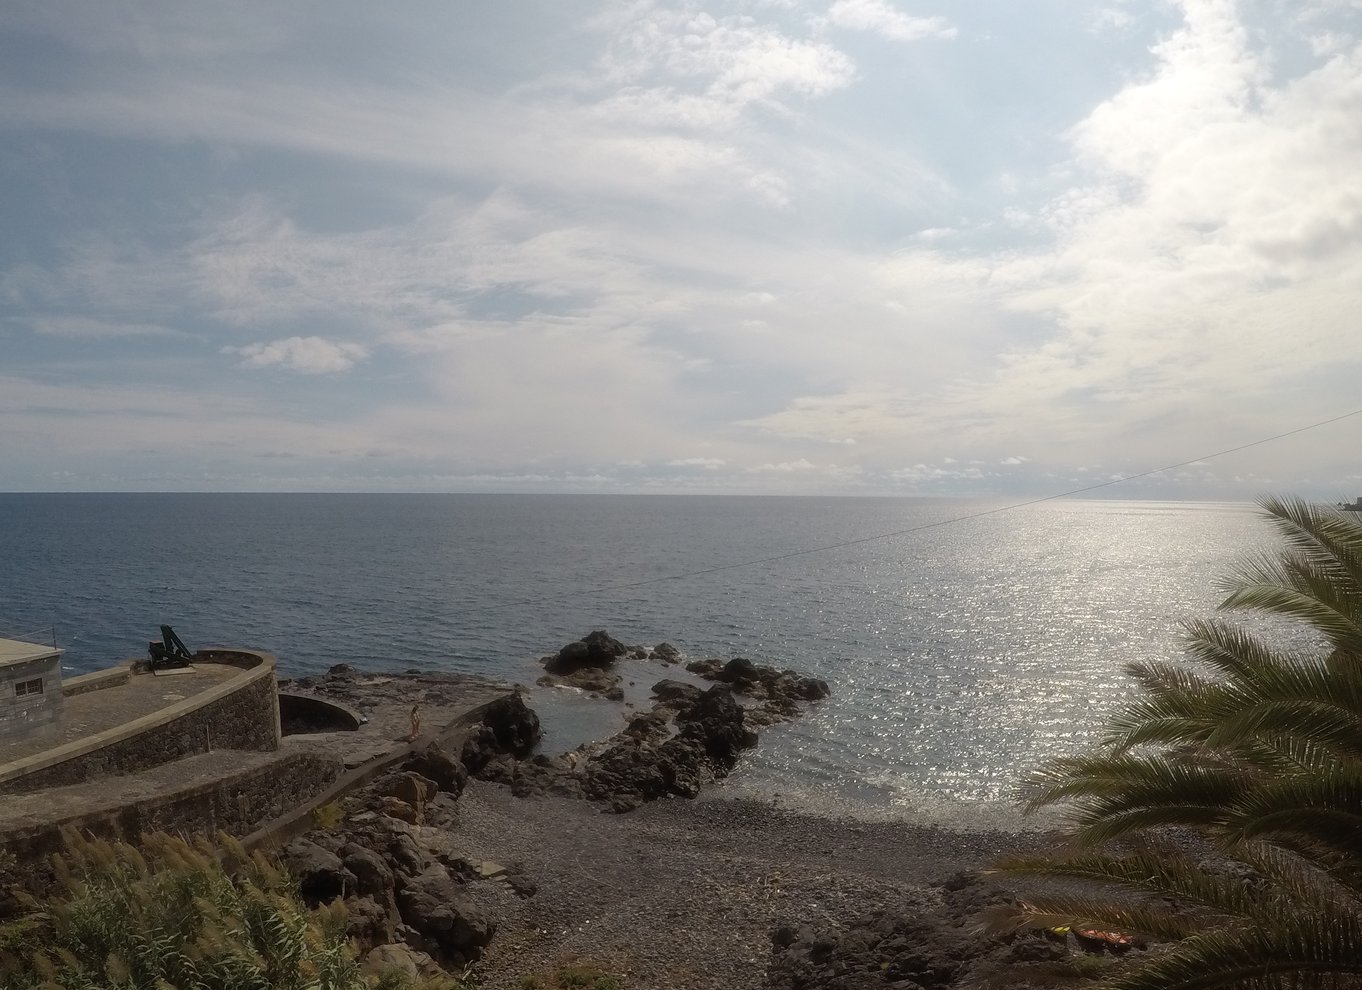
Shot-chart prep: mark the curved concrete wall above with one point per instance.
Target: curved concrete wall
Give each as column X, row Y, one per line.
column 302, row 713
column 240, row 713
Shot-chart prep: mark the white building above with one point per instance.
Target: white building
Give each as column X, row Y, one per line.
column 30, row 689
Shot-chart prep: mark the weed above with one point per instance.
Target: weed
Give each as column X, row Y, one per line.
column 328, row 817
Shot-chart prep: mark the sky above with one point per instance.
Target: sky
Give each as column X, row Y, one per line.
column 880, row 247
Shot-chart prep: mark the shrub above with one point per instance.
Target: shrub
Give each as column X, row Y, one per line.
column 173, row 914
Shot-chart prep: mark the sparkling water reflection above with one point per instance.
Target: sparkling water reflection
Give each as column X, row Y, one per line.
column 959, row 655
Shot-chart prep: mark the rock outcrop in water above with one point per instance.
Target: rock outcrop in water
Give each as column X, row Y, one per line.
column 691, row 734
column 587, row 664
column 779, row 693
column 685, row 740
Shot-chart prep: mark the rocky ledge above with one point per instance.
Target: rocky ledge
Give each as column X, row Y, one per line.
column 688, row 737
column 926, row 942
column 385, row 850
column 388, row 850
column 588, row 664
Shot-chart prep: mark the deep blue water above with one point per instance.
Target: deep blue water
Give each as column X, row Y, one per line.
column 959, row 655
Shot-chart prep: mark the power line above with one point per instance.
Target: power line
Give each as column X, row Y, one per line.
column 719, row 568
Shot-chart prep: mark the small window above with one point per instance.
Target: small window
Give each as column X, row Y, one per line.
column 34, row 686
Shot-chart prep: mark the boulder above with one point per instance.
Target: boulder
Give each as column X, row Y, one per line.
column 399, row 809
column 666, row 653
column 435, row 905
column 593, row 680
column 406, row 785
column 507, row 725
column 920, row 942
column 716, row 721
column 396, row 957
column 739, row 670
column 319, row 873
column 648, row 761
column 372, row 875
column 780, row 691
column 596, row 649
column 448, row 774
column 368, row 922
column 673, row 692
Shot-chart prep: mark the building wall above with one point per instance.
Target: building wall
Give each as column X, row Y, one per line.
column 30, row 715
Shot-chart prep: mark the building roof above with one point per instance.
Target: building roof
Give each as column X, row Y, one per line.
column 12, row 652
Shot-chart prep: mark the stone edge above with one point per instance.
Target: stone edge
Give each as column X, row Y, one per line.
column 85, row 683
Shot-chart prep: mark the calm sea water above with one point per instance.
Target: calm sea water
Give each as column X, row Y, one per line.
column 959, row 655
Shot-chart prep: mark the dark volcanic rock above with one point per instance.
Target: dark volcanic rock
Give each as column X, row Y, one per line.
column 918, row 944
column 508, row 725
column 666, row 653
column 593, row 680
column 435, row 905
column 596, row 649
column 586, row 665
column 319, row 872
column 780, row 692
column 368, row 922
column 448, row 774
column 372, row 875
column 710, row 733
column 672, row 692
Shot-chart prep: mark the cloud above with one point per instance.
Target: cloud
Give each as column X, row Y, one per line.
column 1201, row 270
column 84, row 326
column 308, row 355
column 726, row 64
column 785, row 467
column 707, row 463
column 883, row 18
column 741, row 235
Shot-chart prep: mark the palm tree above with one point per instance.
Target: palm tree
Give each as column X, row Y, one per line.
column 1231, row 787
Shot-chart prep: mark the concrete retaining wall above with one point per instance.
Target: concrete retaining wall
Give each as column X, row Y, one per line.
column 234, row 803
column 240, row 713
column 85, row 683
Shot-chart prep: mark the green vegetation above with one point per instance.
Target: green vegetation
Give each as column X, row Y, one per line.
column 573, row 976
column 1250, row 756
column 328, row 817
column 170, row 915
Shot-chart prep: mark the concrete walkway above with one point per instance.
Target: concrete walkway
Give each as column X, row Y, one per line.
column 60, row 804
column 386, row 701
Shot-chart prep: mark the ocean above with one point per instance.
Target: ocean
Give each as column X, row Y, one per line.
column 959, row 655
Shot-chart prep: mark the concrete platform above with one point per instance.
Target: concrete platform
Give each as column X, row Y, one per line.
column 93, row 712
column 387, row 700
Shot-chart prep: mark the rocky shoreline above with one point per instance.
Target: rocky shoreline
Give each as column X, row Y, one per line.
column 512, row 862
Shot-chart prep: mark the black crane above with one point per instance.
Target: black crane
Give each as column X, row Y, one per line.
column 169, row 650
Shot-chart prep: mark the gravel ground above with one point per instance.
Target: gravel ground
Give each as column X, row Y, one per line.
column 684, row 894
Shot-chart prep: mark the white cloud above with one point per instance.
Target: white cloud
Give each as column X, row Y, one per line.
column 786, row 467
column 881, row 17
column 308, row 355
column 718, row 234
column 84, row 326
column 707, row 463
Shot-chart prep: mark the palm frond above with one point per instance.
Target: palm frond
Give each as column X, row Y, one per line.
column 1254, row 958
column 1257, row 750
